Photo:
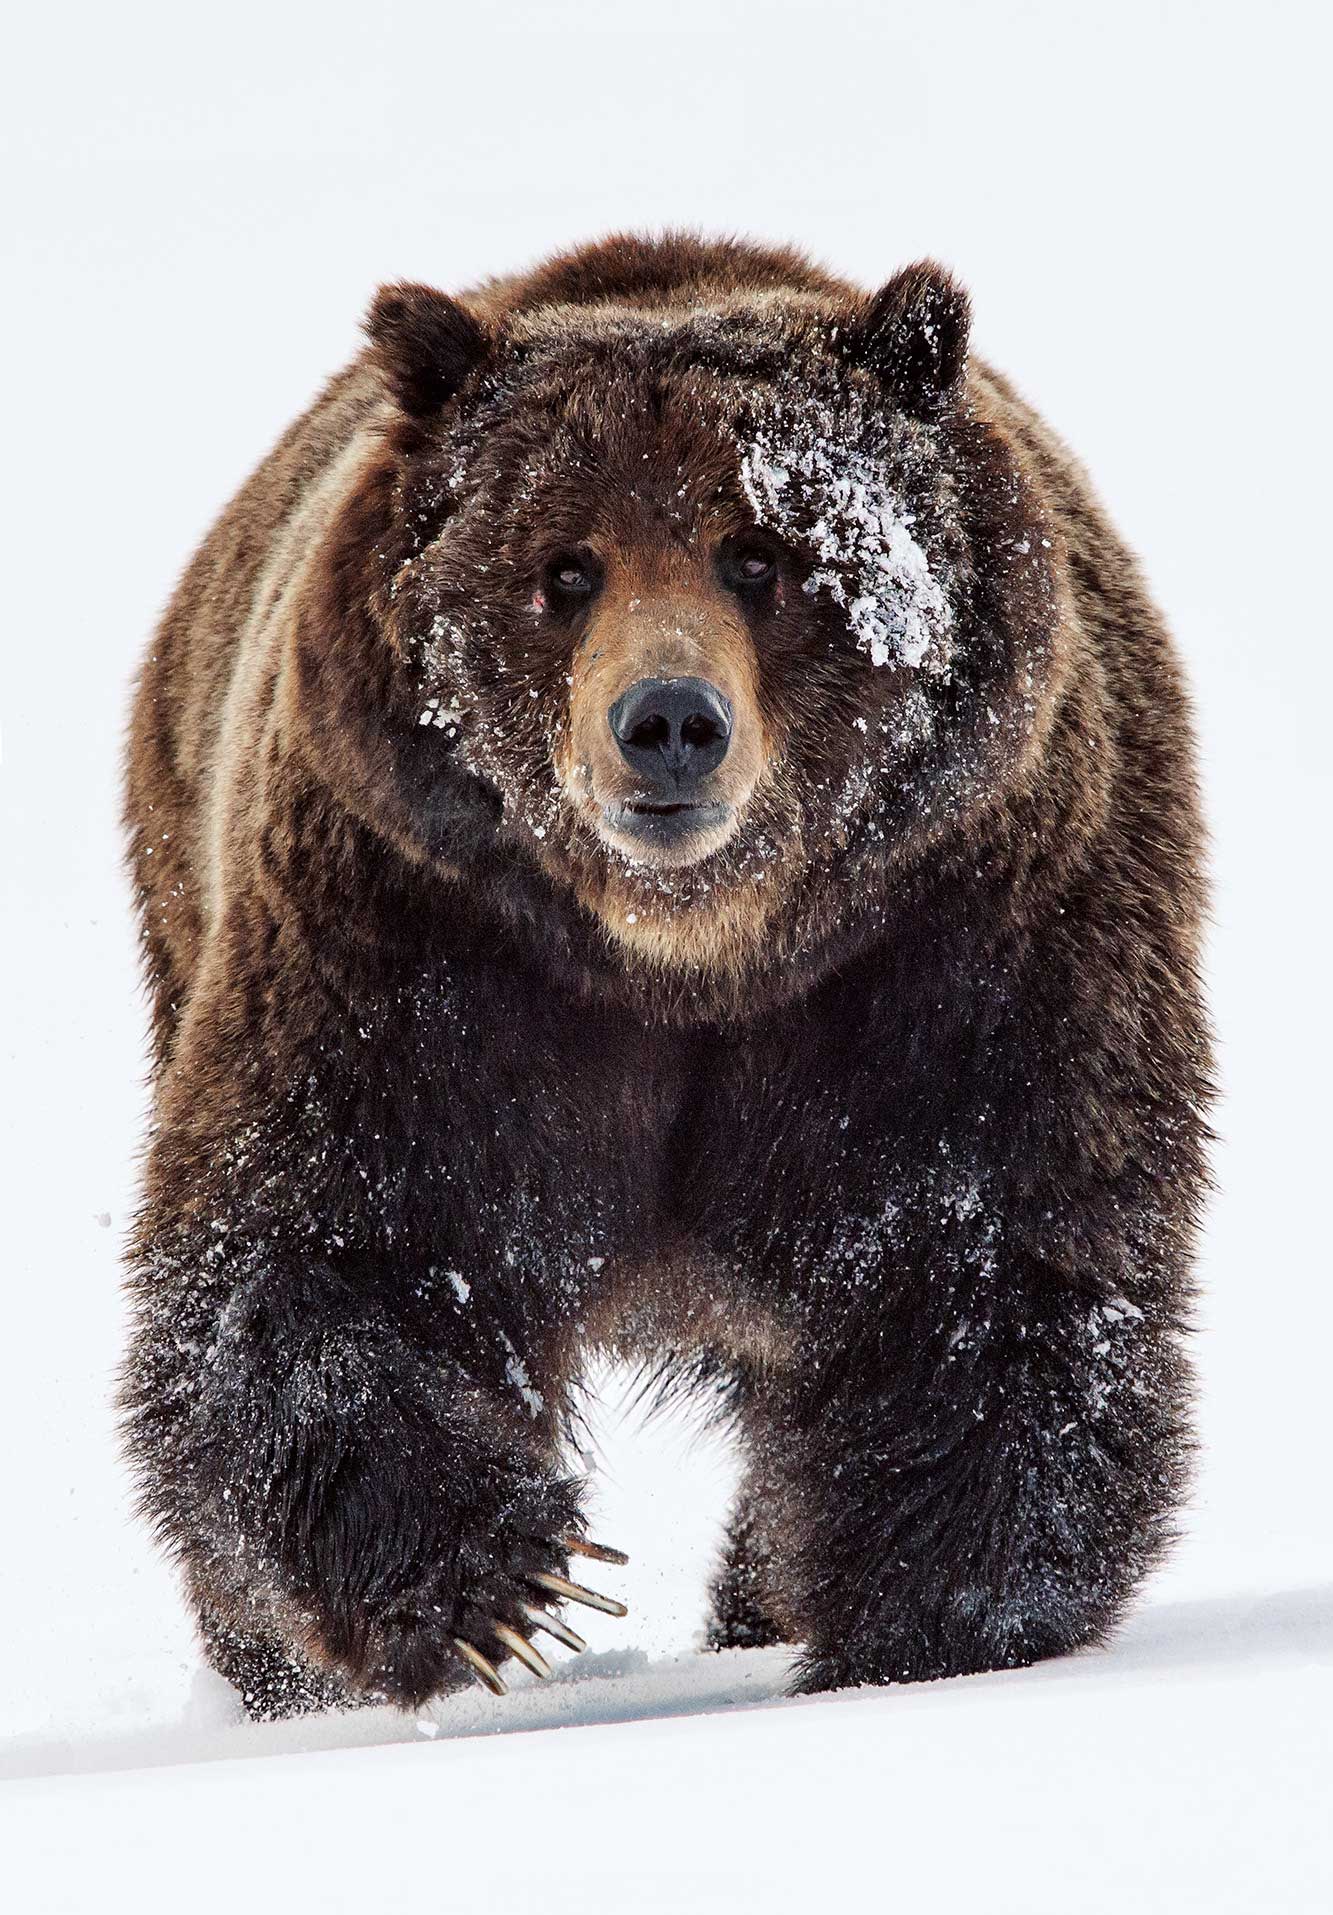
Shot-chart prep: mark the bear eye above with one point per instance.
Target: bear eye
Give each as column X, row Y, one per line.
column 746, row 566
column 570, row 577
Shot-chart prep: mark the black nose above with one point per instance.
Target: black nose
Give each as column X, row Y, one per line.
column 673, row 731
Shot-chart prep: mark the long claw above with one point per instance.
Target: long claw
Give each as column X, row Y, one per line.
column 575, row 1592
column 484, row 1671
column 520, row 1646
column 600, row 1552
column 543, row 1619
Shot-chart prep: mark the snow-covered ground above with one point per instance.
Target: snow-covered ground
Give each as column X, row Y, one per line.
column 200, row 205
column 1186, row 1770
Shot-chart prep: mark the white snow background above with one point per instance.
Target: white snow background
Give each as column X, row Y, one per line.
column 199, row 203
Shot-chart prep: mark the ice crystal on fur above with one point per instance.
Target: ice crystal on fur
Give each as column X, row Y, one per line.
column 808, row 479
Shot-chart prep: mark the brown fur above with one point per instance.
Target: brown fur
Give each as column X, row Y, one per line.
column 413, row 1014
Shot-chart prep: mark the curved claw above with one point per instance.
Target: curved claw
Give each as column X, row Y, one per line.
column 485, row 1672
column 520, row 1646
column 599, row 1552
column 543, row 1619
column 575, row 1592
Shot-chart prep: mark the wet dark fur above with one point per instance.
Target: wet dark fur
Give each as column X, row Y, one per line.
column 903, row 1160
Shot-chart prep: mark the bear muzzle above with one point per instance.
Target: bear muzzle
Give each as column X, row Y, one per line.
column 665, row 741
column 673, row 733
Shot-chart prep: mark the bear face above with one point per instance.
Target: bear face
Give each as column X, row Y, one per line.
column 714, row 600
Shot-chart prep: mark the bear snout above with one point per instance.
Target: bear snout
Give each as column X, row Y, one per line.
column 666, row 738
column 673, row 734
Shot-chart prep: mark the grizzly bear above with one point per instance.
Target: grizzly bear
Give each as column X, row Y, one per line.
column 664, row 823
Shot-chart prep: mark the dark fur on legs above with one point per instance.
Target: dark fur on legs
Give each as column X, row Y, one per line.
column 737, row 1613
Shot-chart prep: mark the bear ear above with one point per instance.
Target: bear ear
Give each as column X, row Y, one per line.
column 426, row 345
column 914, row 335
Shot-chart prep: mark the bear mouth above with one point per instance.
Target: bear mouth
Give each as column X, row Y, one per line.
column 649, row 822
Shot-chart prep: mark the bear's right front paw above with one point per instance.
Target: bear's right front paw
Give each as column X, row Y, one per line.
column 404, row 1591
column 420, row 1642
column 404, row 1529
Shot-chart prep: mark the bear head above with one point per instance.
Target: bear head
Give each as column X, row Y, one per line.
column 724, row 607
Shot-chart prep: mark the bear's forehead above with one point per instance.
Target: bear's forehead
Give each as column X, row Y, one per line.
column 622, row 427
column 673, row 409
column 637, row 464
column 625, row 444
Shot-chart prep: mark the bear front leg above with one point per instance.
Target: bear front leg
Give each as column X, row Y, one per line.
column 974, row 1476
column 346, row 1500
column 739, row 1594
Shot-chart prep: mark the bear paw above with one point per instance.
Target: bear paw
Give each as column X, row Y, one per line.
column 546, row 1585
column 430, row 1638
